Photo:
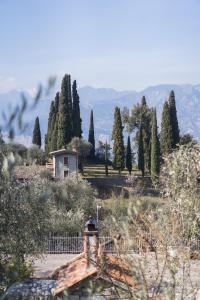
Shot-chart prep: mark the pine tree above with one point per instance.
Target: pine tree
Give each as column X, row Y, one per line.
column 106, row 159
column 65, row 113
column 37, row 133
column 129, row 156
column 141, row 150
column 48, row 134
column 155, row 149
column 174, row 120
column 118, row 142
column 91, row 138
column 166, row 138
column 77, row 131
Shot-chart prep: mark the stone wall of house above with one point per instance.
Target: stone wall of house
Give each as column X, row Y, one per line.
column 60, row 168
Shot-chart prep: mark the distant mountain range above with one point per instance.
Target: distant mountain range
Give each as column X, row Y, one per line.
column 104, row 100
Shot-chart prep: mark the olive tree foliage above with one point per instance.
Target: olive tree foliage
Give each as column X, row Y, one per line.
column 73, row 194
column 165, row 236
column 24, row 213
column 36, row 155
column 180, row 179
column 24, row 217
column 82, row 148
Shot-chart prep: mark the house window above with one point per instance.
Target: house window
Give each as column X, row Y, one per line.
column 66, row 160
column 66, row 173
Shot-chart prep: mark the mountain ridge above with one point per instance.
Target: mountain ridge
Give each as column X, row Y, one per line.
column 104, row 100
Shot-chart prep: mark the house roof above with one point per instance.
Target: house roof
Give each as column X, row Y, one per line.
column 77, row 270
column 28, row 172
column 62, row 151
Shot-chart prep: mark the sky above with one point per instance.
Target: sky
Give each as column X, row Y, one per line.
column 121, row 44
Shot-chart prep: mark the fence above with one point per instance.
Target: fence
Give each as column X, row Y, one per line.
column 74, row 245
column 63, row 244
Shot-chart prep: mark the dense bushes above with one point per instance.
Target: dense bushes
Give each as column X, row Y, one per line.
column 72, row 202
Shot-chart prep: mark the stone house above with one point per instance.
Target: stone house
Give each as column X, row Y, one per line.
column 65, row 163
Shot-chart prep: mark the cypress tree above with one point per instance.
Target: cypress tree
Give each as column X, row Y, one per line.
column 129, row 156
column 118, row 142
column 145, row 117
column 91, row 138
column 143, row 101
column 1, row 138
column 106, row 159
column 48, row 134
column 37, row 133
column 77, row 131
column 155, row 149
column 54, row 135
column 166, row 138
column 56, row 101
column 174, row 120
column 141, row 150
column 54, row 124
column 65, row 113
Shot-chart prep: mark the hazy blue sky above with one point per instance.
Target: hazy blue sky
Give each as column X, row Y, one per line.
column 124, row 44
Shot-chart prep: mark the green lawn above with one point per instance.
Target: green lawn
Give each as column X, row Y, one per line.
column 97, row 170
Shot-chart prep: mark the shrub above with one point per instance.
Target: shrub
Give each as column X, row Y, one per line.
column 35, row 155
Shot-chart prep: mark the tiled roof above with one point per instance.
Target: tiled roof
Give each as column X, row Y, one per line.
column 72, row 273
column 28, row 172
column 77, row 270
column 62, row 151
column 118, row 269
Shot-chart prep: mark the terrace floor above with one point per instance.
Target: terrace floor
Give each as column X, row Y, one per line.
column 48, row 263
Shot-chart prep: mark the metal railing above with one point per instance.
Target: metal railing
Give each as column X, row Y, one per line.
column 74, row 245
column 63, row 245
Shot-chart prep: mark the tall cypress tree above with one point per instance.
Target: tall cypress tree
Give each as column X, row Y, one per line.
column 48, row 134
column 141, row 150
column 54, row 127
column 155, row 149
column 166, row 138
column 143, row 101
column 118, row 142
column 1, row 138
column 77, row 131
column 54, row 124
column 145, row 118
column 174, row 120
column 65, row 113
column 106, row 159
column 129, row 156
column 56, row 101
column 91, row 138
column 54, row 135
column 37, row 133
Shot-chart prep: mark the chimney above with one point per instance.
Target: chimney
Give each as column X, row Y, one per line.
column 91, row 241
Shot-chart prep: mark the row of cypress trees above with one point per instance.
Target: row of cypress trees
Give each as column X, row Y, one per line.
column 169, row 137
column 151, row 146
column 64, row 120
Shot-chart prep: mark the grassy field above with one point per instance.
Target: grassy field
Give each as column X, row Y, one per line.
column 94, row 170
